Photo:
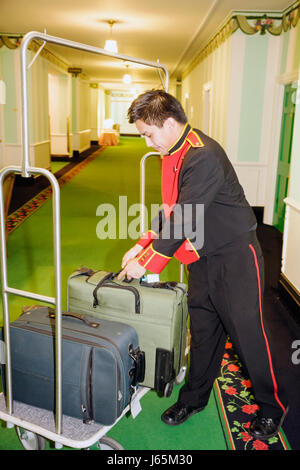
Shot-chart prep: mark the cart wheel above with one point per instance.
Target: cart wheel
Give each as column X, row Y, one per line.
column 181, row 375
column 168, row 389
column 30, row 441
column 105, row 443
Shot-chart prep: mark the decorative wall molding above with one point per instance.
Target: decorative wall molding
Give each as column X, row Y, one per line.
column 59, row 144
column 268, row 23
column 10, row 42
column 81, row 140
column 39, row 154
column 249, row 24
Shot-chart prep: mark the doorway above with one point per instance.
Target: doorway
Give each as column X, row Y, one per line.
column 284, row 157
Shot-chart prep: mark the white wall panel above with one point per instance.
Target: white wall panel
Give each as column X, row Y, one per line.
column 291, row 251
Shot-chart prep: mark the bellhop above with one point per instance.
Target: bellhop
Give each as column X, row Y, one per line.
column 229, row 240
column 226, row 274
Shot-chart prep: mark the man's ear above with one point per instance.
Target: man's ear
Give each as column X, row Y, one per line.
column 170, row 123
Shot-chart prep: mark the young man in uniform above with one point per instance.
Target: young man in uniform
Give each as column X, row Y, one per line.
column 225, row 286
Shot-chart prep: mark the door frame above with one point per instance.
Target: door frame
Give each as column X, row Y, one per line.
column 282, row 81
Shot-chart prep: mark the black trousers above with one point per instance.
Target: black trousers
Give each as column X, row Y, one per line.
column 225, row 297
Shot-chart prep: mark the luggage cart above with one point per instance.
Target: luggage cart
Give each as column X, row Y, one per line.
column 35, row 425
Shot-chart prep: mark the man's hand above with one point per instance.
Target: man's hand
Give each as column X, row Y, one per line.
column 132, row 270
column 132, row 253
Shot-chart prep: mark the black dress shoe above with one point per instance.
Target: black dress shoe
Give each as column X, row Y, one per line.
column 263, row 428
column 179, row 413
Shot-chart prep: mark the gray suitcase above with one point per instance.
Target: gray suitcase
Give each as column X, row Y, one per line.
column 158, row 312
column 101, row 364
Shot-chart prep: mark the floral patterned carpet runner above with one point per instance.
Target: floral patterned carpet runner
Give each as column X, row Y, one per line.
column 237, row 407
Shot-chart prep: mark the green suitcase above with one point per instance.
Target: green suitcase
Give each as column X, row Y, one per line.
column 157, row 311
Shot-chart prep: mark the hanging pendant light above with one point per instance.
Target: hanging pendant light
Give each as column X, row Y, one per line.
column 127, row 77
column 111, row 44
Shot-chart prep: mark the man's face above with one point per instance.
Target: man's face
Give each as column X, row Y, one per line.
column 160, row 138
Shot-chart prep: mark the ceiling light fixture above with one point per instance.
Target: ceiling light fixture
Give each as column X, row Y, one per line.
column 111, row 44
column 127, row 77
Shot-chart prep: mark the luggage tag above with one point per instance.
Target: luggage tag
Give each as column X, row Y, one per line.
column 150, row 278
column 135, row 405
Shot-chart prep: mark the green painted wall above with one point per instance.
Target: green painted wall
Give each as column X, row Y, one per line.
column 252, row 98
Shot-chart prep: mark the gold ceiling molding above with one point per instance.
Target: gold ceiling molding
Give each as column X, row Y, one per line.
column 10, row 43
column 248, row 25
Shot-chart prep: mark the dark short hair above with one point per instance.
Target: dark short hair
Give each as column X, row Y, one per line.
column 154, row 107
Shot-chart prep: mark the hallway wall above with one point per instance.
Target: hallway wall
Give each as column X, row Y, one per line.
column 68, row 122
column 38, row 110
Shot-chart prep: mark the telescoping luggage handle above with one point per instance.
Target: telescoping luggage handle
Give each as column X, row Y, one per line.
column 26, row 170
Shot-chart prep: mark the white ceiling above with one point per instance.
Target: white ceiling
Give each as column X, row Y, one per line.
column 170, row 31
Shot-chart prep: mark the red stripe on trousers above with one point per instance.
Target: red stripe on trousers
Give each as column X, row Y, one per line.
column 263, row 330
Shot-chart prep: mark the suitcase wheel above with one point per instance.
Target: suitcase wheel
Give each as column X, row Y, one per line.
column 30, row 441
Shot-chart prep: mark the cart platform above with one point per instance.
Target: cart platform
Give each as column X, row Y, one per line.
column 75, row 433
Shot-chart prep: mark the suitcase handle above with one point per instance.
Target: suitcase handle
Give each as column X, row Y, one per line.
column 75, row 315
column 107, row 281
